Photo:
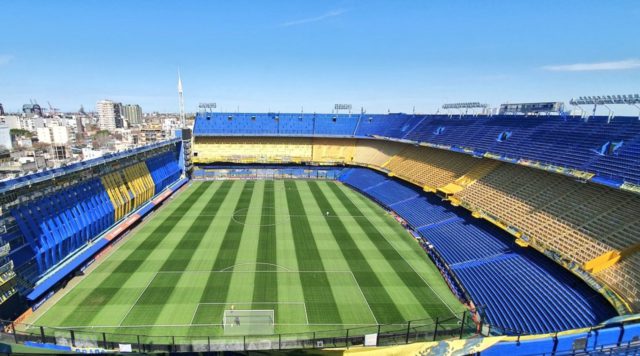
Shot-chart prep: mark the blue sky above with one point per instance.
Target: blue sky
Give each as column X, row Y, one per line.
column 288, row 55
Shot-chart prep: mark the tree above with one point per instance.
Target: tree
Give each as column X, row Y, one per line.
column 101, row 138
column 20, row 132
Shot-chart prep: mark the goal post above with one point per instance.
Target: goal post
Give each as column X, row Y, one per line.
column 248, row 322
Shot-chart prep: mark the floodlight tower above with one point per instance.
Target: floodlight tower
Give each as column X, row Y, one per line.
column 183, row 121
column 606, row 100
column 466, row 106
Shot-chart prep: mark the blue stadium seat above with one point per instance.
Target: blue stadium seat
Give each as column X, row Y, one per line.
column 62, row 222
column 607, row 148
column 517, row 290
column 392, row 125
column 50, row 228
column 164, row 170
column 391, row 192
column 363, row 179
column 424, row 211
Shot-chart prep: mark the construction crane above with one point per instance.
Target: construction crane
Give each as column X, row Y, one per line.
column 52, row 111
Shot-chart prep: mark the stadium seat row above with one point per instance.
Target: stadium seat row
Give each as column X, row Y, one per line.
column 57, row 224
column 608, row 148
column 164, row 170
column 60, row 223
column 517, row 290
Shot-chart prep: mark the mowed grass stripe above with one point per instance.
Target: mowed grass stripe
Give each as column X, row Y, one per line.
column 101, row 296
column 217, row 286
column 375, row 293
column 160, row 290
column 411, row 251
column 318, row 295
column 192, row 238
column 265, row 288
column 410, row 278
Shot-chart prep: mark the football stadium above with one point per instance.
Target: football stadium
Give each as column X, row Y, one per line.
column 336, row 177
column 490, row 234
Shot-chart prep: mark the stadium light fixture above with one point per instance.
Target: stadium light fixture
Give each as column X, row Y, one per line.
column 338, row 107
column 606, row 100
column 207, row 106
column 470, row 105
column 466, row 106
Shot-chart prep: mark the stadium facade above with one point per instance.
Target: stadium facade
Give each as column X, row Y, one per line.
column 531, row 219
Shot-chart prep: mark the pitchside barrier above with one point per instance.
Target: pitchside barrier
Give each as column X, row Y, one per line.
column 262, row 173
column 242, row 337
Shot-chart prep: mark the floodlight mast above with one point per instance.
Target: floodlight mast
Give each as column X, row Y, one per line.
column 338, row 107
column 606, row 100
column 207, row 106
column 467, row 105
column 183, row 120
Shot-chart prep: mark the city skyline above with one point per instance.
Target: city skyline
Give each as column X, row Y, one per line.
column 287, row 56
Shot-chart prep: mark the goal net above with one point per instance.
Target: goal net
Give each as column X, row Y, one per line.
column 248, row 322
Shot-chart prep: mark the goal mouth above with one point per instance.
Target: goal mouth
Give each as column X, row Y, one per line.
column 248, row 322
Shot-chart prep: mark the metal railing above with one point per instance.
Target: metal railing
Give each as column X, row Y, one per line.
column 458, row 326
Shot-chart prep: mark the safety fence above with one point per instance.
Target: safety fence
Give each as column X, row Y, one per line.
column 459, row 326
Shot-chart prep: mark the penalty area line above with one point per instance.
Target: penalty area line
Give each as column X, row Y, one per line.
column 138, row 299
column 365, row 298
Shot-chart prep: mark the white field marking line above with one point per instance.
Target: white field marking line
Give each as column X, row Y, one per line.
column 363, row 297
column 223, row 271
column 304, row 304
column 193, row 317
column 245, row 303
column 275, row 215
column 137, row 299
column 255, row 263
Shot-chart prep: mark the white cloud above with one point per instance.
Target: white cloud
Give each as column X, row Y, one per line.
column 324, row 16
column 588, row 67
column 5, row 59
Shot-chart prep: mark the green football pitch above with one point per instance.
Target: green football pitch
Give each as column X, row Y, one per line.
column 312, row 255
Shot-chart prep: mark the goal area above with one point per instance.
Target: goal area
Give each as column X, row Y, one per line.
column 248, row 322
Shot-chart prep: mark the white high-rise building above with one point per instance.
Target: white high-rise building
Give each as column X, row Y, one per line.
column 44, row 135
column 56, row 135
column 109, row 115
column 61, row 135
column 5, row 137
